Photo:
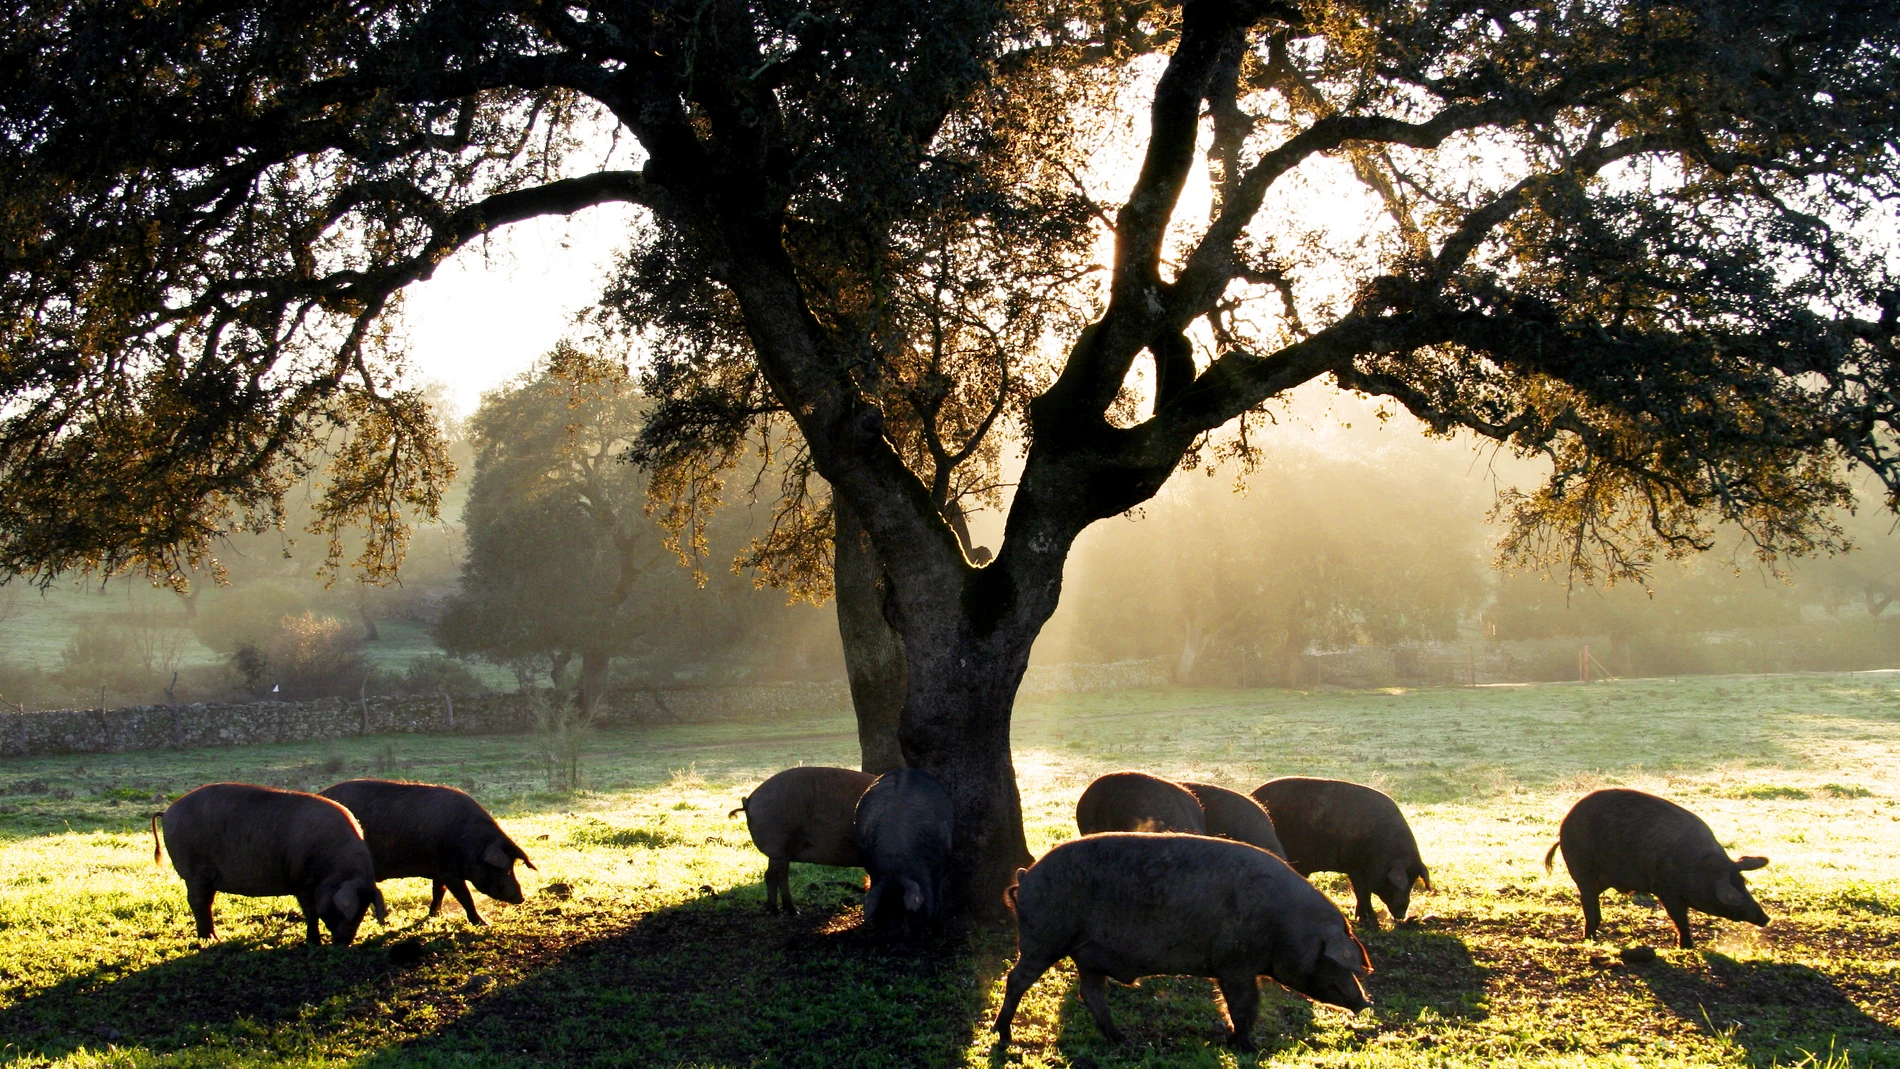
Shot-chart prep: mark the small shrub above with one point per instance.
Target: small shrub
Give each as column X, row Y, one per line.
column 592, row 832
column 1769, row 792
column 315, row 656
column 1842, row 790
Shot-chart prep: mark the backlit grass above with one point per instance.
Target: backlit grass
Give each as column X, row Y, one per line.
column 643, row 943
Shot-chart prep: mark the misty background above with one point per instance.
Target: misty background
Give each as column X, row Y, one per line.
column 1355, row 554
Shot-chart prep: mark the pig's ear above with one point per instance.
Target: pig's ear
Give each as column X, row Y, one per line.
column 1400, row 878
column 1424, row 877
column 346, row 900
column 520, row 853
column 1744, row 864
column 1348, row 953
column 498, row 857
column 376, row 903
column 913, row 896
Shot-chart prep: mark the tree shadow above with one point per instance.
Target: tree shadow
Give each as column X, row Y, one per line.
column 188, row 1000
column 713, row 981
column 1773, row 1012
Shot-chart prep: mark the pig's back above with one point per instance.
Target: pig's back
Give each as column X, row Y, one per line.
column 410, row 828
column 1157, row 903
column 257, row 840
column 808, row 814
column 1632, row 841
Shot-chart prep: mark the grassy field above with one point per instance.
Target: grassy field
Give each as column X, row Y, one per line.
column 643, row 943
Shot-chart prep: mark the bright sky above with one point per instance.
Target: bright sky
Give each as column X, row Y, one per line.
column 496, row 306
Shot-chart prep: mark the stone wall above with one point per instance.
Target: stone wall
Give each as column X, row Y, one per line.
column 151, row 727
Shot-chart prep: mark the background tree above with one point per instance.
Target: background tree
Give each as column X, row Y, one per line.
column 562, row 559
column 1646, row 241
column 564, row 566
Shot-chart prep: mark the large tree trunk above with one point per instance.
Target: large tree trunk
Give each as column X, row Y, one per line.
column 873, row 651
column 956, row 727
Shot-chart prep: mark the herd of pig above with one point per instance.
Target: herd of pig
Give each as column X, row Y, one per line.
column 1194, row 879
column 1166, row 879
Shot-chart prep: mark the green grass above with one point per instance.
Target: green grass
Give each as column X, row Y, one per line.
column 642, row 941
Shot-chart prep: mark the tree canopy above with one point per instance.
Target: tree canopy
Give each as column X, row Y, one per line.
column 1648, row 241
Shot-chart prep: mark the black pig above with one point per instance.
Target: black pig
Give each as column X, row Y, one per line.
column 1330, row 825
column 440, row 833
column 1233, row 815
column 807, row 814
column 260, row 842
column 1136, row 801
column 1626, row 840
column 904, row 825
column 1128, row 905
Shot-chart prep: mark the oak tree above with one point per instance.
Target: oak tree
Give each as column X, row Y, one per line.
column 1647, row 240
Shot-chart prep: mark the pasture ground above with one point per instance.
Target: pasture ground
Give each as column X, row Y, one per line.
column 642, row 941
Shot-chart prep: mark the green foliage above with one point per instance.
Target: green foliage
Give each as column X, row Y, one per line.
column 1770, row 791
column 594, row 832
column 563, row 561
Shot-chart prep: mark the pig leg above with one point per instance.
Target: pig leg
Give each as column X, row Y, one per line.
column 198, row 894
column 459, row 889
column 435, row 903
column 1242, row 995
column 1094, row 987
column 1592, row 909
column 1679, row 913
column 1021, row 979
column 778, row 886
column 309, row 907
column 1362, row 897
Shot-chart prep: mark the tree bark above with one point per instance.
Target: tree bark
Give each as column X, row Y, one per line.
column 593, row 683
column 956, row 719
column 873, row 650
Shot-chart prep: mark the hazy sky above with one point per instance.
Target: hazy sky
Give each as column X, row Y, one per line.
column 497, row 305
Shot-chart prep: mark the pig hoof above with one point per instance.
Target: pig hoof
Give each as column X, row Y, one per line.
column 1243, row 1044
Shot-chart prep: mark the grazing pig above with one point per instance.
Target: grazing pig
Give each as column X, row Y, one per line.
column 260, row 841
column 904, row 824
column 804, row 814
column 1233, row 815
column 440, row 833
column 1130, row 905
column 1136, row 801
column 1626, row 840
column 1330, row 825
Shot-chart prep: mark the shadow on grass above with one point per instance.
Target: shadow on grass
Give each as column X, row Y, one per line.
column 1418, row 967
column 187, row 1000
column 711, row 982
column 724, row 984
column 1774, row 1012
